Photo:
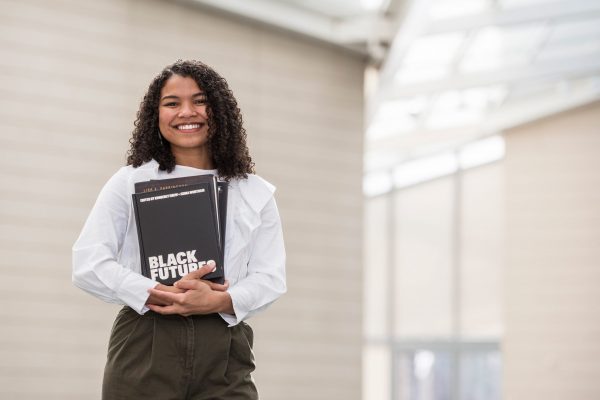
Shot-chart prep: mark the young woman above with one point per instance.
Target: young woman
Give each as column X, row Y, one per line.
column 186, row 341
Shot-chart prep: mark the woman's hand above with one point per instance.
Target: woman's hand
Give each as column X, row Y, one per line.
column 192, row 295
column 199, row 273
column 153, row 299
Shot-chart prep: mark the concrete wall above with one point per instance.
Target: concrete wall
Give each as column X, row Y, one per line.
column 551, row 347
column 72, row 73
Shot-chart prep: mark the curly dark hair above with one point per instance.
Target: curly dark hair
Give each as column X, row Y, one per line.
column 226, row 134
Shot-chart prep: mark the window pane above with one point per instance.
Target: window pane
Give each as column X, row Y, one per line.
column 427, row 374
column 570, row 39
column 495, row 48
column 424, row 375
column 442, row 9
column 429, row 58
column 480, row 375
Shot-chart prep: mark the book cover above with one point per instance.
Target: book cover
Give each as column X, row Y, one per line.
column 178, row 232
column 220, row 192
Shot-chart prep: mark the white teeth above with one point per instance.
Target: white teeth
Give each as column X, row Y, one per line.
column 189, row 126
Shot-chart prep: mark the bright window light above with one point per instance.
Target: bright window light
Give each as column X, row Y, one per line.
column 436, row 49
column 443, row 9
column 495, row 48
column 429, row 58
column 424, row 361
column 395, row 117
column 377, row 183
column 570, row 39
column 524, row 3
column 377, row 161
column 386, row 127
column 373, row 5
column 572, row 31
column 455, row 108
column 466, row 107
column 481, row 152
column 409, row 74
column 424, row 169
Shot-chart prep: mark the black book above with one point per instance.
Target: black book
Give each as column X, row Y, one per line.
column 179, row 229
column 218, row 189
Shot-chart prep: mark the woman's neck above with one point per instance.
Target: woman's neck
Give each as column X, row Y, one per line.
column 194, row 158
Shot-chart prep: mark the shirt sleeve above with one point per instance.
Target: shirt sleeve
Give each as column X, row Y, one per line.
column 95, row 253
column 265, row 281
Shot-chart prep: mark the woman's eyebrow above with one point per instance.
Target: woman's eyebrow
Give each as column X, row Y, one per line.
column 172, row 96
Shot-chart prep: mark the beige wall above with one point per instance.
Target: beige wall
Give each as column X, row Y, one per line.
column 552, row 297
column 71, row 75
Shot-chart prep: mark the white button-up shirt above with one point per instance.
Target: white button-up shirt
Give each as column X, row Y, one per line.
column 106, row 256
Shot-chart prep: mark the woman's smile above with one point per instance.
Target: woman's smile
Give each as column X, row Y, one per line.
column 183, row 118
column 193, row 127
column 189, row 127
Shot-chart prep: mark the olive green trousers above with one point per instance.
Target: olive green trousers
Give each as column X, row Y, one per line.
column 171, row 357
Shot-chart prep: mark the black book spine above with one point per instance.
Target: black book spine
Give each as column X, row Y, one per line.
column 144, row 266
column 223, row 188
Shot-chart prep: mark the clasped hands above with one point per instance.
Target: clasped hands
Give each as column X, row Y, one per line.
column 191, row 295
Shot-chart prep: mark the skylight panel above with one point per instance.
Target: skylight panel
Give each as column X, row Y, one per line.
column 444, row 9
column 429, row 58
column 396, row 117
column 570, row 39
column 495, row 48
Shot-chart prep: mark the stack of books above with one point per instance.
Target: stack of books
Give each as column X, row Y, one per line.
column 181, row 226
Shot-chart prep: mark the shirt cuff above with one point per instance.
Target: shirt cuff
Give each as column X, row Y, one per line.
column 133, row 291
column 230, row 319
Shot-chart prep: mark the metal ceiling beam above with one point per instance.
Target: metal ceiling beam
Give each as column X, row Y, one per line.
column 414, row 20
column 362, row 29
column 411, row 28
column 342, row 32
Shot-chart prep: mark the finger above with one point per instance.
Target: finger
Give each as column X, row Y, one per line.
column 165, row 288
column 167, row 297
column 157, row 302
column 200, row 272
column 190, row 284
column 164, row 310
column 218, row 286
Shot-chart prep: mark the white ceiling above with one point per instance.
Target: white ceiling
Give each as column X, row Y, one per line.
column 338, row 9
column 358, row 25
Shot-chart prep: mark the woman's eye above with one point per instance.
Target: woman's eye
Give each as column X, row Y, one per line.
column 200, row 101
column 171, row 104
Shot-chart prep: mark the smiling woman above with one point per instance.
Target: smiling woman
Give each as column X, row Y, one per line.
column 183, row 121
column 188, row 93
column 189, row 340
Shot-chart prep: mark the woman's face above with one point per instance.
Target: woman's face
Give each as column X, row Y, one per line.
column 182, row 117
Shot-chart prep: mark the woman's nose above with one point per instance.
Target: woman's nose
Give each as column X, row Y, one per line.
column 187, row 110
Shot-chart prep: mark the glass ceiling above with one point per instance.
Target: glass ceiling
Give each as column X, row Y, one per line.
column 472, row 62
